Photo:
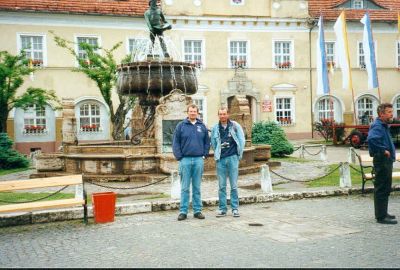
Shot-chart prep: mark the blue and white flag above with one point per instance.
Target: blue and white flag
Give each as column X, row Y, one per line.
column 322, row 69
column 369, row 52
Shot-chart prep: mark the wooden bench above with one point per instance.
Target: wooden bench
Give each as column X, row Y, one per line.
column 76, row 180
column 365, row 162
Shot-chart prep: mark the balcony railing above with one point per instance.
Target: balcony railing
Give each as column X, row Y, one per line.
column 34, row 130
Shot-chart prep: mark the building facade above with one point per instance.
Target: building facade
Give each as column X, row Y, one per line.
column 264, row 49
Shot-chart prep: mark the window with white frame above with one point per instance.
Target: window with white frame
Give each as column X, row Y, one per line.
column 361, row 55
column 193, row 52
column 89, row 117
column 398, row 54
column 33, row 46
column 358, row 4
column 397, row 108
column 283, row 54
column 35, row 120
column 201, row 104
column 326, row 109
column 137, row 48
column 330, row 54
column 284, row 111
column 93, row 41
column 238, row 54
column 237, row 2
column 366, row 110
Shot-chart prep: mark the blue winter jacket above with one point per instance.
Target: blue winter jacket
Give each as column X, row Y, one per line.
column 379, row 140
column 190, row 140
column 237, row 134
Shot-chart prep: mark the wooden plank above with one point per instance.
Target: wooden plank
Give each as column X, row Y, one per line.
column 367, row 158
column 41, row 182
column 40, row 205
column 394, row 175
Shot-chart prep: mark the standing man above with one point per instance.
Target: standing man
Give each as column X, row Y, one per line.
column 227, row 140
column 191, row 145
column 381, row 148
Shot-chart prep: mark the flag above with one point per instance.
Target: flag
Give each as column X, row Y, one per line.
column 340, row 29
column 369, row 53
column 398, row 22
column 322, row 69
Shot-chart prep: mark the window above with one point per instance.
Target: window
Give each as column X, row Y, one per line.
column 358, row 4
column 282, row 55
column 238, row 54
column 200, row 102
column 366, row 110
column 326, row 109
column 330, row 54
column 35, row 120
column 398, row 54
column 34, row 49
column 237, row 2
column 361, row 56
column 284, row 111
column 89, row 118
column 94, row 41
column 396, row 108
column 193, row 52
column 138, row 48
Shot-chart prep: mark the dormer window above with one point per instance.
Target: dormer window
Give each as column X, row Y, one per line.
column 358, row 4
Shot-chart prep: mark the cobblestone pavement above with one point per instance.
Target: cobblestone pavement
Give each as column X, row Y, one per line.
column 331, row 232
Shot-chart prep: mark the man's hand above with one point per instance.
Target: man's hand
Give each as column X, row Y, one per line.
column 387, row 153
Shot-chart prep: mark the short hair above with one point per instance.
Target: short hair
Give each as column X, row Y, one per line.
column 192, row 106
column 382, row 107
column 223, row 109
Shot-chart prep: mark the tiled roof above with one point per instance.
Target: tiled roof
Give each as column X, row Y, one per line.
column 328, row 8
column 101, row 7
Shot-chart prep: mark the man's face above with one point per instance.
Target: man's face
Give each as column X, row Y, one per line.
column 223, row 116
column 192, row 113
column 387, row 115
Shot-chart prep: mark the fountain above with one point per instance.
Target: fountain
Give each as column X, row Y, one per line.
column 162, row 87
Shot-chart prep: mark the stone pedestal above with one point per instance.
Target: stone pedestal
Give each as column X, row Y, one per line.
column 68, row 122
column 239, row 111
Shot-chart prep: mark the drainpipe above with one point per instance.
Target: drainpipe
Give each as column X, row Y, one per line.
column 311, row 23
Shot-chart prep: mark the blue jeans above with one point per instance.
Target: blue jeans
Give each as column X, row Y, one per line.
column 228, row 167
column 191, row 171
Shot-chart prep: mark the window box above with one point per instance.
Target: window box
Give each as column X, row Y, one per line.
column 36, row 62
column 240, row 64
column 330, row 64
column 283, row 65
column 90, row 128
column 34, row 130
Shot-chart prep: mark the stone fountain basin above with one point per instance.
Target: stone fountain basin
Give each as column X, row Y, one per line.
column 157, row 78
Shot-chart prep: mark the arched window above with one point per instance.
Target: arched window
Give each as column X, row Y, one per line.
column 35, row 120
column 328, row 107
column 366, row 109
column 89, row 117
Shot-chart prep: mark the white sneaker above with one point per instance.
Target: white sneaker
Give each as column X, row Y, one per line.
column 235, row 213
column 220, row 213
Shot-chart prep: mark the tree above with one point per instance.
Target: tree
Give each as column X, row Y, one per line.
column 13, row 68
column 103, row 71
column 9, row 158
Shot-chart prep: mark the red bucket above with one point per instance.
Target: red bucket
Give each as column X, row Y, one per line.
column 103, row 206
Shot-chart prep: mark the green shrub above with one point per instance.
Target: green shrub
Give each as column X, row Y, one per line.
column 9, row 158
column 325, row 128
column 271, row 133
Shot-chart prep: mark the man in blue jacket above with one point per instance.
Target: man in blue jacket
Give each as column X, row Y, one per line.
column 227, row 140
column 381, row 148
column 191, row 145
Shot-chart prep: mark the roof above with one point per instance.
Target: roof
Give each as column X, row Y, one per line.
column 328, row 8
column 99, row 7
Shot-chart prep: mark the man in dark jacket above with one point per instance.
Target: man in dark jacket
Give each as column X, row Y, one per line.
column 381, row 148
column 190, row 146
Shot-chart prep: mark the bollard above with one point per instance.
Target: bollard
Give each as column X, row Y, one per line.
column 351, row 156
column 175, row 185
column 266, row 183
column 323, row 154
column 302, row 150
column 345, row 177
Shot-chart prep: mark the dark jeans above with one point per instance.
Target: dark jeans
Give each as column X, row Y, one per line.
column 383, row 185
column 160, row 36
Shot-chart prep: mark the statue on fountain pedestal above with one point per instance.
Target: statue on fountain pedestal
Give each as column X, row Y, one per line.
column 157, row 24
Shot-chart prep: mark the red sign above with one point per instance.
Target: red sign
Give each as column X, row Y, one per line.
column 267, row 105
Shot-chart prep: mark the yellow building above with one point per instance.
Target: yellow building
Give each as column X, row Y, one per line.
column 273, row 42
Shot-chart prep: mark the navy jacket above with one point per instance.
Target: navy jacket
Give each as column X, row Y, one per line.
column 190, row 140
column 379, row 140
